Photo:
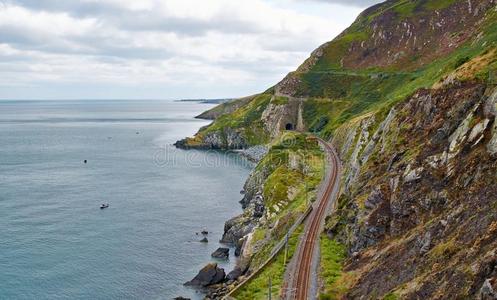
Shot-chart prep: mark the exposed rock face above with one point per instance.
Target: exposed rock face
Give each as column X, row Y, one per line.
column 221, row 253
column 278, row 116
column 255, row 153
column 226, row 139
column 208, row 275
column 237, row 228
column 488, row 290
column 491, row 111
column 429, row 187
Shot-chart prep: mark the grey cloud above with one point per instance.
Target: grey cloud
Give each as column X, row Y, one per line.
column 90, row 45
column 123, row 41
column 110, row 16
column 141, row 21
column 75, row 8
column 181, row 26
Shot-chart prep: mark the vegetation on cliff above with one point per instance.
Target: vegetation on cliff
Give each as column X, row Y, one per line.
column 290, row 174
column 284, row 182
column 332, row 256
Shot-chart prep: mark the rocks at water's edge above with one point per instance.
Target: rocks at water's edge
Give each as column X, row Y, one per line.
column 204, row 240
column 221, row 253
column 228, row 139
column 234, row 274
column 208, row 275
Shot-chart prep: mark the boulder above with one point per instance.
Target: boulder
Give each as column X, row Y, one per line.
column 181, row 298
column 234, row 274
column 204, row 240
column 221, row 253
column 237, row 227
column 208, row 275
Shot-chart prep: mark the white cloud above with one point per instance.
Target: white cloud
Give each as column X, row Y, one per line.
column 158, row 45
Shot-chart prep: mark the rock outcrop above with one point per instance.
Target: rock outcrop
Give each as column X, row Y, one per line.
column 221, row 253
column 209, row 275
column 225, row 139
column 234, row 274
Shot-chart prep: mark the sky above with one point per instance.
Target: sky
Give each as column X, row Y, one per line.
column 160, row 49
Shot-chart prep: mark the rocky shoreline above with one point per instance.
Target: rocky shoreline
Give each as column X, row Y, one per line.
column 212, row 279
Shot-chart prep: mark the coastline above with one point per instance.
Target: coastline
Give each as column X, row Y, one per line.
column 273, row 199
column 225, row 278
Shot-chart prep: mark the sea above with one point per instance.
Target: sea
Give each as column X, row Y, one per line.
column 55, row 240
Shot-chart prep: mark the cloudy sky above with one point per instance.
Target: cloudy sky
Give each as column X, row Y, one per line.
column 159, row 49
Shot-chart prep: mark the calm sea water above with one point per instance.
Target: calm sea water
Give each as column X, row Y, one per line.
column 55, row 242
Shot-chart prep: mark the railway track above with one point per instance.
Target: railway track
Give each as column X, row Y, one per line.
column 300, row 284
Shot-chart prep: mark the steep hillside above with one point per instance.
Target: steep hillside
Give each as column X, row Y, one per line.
column 389, row 52
column 418, row 208
column 408, row 95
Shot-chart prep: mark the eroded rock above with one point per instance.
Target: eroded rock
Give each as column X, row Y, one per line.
column 221, row 253
column 208, row 275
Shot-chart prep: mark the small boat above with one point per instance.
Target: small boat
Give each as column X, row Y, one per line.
column 102, row 206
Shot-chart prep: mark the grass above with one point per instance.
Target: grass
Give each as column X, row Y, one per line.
column 405, row 9
column 439, row 4
column 390, row 296
column 258, row 288
column 332, row 257
column 332, row 55
column 444, row 250
column 279, row 100
column 408, row 8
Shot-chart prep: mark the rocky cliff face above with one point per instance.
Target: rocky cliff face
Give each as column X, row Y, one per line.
column 418, row 210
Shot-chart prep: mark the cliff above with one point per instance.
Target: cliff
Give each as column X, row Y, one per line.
column 408, row 95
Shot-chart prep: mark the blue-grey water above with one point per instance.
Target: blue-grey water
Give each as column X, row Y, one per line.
column 55, row 242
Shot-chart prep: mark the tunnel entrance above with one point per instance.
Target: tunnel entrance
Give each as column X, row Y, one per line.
column 289, row 126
